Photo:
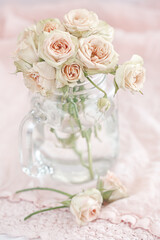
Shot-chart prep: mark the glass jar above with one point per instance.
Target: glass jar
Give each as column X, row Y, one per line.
column 67, row 136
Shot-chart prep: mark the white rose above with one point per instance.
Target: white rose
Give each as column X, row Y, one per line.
column 80, row 22
column 97, row 54
column 40, row 78
column 111, row 182
column 86, row 206
column 49, row 25
column 27, row 46
column 104, row 29
column 131, row 74
column 57, row 47
column 21, row 66
column 70, row 73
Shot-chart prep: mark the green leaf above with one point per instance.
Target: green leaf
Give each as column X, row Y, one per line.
column 52, row 130
column 82, row 98
column 41, row 60
column 75, row 99
column 113, row 72
column 106, row 195
column 141, row 92
column 100, row 185
column 66, row 203
column 65, row 90
column 116, row 87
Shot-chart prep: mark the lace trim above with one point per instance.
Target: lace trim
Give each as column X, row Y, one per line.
column 61, row 224
column 133, row 220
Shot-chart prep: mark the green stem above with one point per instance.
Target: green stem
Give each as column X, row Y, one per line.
column 95, row 85
column 48, row 189
column 80, row 157
column 43, row 210
column 76, row 112
column 96, row 133
column 90, row 167
column 53, row 131
column 90, row 162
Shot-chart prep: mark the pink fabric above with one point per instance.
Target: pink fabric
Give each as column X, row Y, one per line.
column 137, row 31
column 60, row 225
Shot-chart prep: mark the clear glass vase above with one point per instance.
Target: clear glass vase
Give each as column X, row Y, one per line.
column 67, row 136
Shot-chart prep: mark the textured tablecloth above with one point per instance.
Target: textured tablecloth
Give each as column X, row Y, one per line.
column 138, row 164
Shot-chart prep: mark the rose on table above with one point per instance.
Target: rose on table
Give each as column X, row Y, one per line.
column 86, row 205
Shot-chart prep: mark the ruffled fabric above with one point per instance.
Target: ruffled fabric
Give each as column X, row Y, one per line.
column 61, row 224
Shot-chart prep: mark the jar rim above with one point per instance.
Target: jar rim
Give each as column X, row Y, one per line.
column 88, row 87
column 83, row 87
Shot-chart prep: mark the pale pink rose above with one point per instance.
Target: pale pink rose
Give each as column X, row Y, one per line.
column 57, row 47
column 49, row 25
column 131, row 74
column 80, row 22
column 111, row 182
column 104, row 29
column 97, row 54
column 27, row 46
column 40, row 78
column 70, row 73
column 86, row 206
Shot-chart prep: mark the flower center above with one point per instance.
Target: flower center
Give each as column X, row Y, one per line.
column 80, row 18
column 49, row 27
column 97, row 53
column 138, row 78
column 93, row 212
column 72, row 71
column 60, row 46
column 34, row 77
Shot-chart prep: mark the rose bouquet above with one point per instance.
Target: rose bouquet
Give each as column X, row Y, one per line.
column 62, row 57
